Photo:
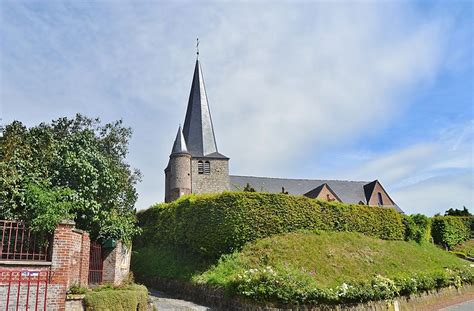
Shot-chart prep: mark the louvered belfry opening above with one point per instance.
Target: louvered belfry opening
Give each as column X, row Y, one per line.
column 207, row 168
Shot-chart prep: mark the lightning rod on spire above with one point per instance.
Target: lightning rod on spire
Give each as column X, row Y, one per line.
column 197, row 47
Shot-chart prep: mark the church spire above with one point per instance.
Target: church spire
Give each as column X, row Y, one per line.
column 179, row 145
column 198, row 129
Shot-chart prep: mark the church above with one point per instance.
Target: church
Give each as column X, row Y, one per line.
column 196, row 166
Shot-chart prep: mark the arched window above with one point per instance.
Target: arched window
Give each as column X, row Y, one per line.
column 200, row 167
column 207, row 168
column 379, row 195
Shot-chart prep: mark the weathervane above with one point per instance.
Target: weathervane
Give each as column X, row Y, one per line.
column 197, row 47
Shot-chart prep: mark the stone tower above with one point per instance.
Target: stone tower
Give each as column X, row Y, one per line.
column 178, row 171
column 208, row 171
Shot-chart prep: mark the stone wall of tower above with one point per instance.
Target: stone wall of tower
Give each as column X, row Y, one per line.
column 178, row 176
column 216, row 181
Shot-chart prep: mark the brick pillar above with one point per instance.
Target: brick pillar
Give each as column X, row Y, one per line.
column 116, row 264
column 70, row 259
column 85, row 252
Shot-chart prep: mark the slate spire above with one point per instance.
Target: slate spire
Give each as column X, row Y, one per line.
column 198, row 129
column 179, row 145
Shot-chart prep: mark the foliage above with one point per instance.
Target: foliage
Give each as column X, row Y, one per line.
column 305, row 267
column 71, row 167
column 313, row 267
column 450, row 231
column 465, row 248
column 131, row 297
column 212, row 225
column 458, row 212
column 77, row 289
column 167, row 263
column 417, row 228
column 249, row 188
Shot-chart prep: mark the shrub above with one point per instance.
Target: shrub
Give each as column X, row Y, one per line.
column 450, row 231
column 417, row 228
column 280, row 286
column 211, row 225
column 132, row 297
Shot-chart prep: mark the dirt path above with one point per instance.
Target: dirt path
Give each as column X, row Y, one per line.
column 166, row 303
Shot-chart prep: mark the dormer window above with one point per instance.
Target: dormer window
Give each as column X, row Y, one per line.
column 207, row 168
column 379, row 195
column 200, row 167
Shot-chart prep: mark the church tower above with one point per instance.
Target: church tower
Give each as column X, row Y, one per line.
column 208, row 170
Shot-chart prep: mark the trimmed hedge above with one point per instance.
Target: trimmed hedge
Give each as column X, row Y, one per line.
column 215, row 224
column 417, row 228
column 132, row 297
column 450, row 231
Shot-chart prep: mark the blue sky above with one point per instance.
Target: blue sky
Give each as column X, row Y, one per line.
column 342, row 90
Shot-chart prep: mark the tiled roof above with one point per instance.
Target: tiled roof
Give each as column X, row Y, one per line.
column 348, row 191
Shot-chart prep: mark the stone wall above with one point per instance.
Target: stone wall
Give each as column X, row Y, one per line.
column 217, row 299
column 116, row 264
column 217, row 181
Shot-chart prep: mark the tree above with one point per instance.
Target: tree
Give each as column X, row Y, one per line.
column 457, row 212
column 248, row 188
column 70, row 168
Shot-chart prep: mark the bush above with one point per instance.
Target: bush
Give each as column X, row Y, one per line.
column 417, row 228
column 132, row 297
column 450, row 231
column 211, row 225
column 269, row 285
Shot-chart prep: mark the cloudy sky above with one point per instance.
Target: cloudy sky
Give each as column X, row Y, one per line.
column 355, row 90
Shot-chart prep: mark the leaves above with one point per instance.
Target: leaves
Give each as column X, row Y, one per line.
column 76, row 167
column 216, row 224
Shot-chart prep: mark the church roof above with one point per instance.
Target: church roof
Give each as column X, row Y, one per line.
column 198, row 130
column 179, row 145
column 351, row 192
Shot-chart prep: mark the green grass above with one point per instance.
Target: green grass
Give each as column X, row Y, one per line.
column 332, row 258
column 312, row 267
column 466, row 248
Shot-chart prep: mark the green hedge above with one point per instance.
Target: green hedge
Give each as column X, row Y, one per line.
column 417, row 228
column 214, row 224
column 450, row 231
column 132, row 297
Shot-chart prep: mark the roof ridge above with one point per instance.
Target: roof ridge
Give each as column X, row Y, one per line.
column 281, row 178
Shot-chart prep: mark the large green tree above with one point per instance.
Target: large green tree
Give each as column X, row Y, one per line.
column 71, row 168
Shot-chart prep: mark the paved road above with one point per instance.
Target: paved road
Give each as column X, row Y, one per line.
column 164, row 302
column 464, row 306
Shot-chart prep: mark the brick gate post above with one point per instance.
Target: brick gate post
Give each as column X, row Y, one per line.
column 70, row 260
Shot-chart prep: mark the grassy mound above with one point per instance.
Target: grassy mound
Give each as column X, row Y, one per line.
column 332, row 258
column 312, row 267
column 466, row 249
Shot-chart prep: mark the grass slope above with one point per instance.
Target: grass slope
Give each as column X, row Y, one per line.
column 312, row 267
column 332, row 258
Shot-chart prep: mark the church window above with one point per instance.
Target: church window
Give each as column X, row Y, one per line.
column 207, row 168
column 200, row 167
column 380, row 198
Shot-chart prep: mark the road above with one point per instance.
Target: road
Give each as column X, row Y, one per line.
column 165, row 303
column 463, row 306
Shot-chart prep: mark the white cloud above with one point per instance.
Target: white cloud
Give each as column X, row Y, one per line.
column 283, row 80
column 438, row 194
column 427, row 177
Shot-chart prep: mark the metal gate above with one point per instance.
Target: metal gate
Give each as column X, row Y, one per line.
column 95, row 263
column 23, row 289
